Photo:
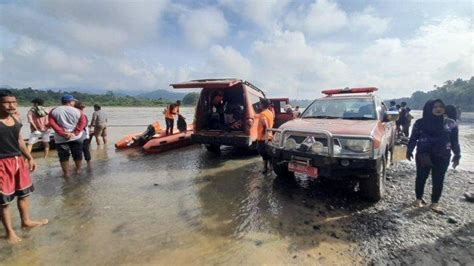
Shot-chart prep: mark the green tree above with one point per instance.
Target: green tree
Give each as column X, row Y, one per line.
column 191, row 98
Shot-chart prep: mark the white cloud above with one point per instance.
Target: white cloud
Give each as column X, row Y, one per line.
column 25, row 46
column 90, row 26
column 288, row 65
column 203, row 26
column 326, row 16
column 368, row 21
column 265, row 14
column 321, row 17
column 438, row 51
column 228, row 62
column 288, row 52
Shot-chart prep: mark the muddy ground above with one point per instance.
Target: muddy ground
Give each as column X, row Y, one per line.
column 394, row 232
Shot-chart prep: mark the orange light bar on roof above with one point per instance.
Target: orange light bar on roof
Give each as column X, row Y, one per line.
column 350, row 90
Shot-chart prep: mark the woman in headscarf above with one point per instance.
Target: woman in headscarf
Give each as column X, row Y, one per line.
column 435, row 137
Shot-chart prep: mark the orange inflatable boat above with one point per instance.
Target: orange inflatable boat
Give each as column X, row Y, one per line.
column 169, row 142
column 139, row 139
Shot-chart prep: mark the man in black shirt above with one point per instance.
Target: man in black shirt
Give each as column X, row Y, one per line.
column 15, row 179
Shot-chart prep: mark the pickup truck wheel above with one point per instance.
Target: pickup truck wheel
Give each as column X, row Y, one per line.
column 281, row 170
column 213, row 148
column 373, row 188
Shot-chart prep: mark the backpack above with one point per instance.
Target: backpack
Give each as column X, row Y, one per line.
column 182, row 126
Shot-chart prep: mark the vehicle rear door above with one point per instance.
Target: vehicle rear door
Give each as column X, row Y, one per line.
column 280, row 115
column 207, row 84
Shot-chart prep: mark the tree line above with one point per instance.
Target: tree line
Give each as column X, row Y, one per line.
column 458, row 92
column 52, row 98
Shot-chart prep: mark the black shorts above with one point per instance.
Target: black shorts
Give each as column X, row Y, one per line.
column 262, row 150
column 66, row 149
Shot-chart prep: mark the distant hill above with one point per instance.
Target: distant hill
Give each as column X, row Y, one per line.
column 457, row 92
column 162, row 94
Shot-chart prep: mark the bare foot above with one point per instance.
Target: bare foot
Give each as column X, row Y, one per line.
column 13, row 239
column 32, row 223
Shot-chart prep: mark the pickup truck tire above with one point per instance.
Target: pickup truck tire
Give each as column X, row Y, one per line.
column 281, row 170
column 373, row 187
column 213, row 148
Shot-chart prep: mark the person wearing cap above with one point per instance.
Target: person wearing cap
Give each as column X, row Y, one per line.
column 39, row 125
column 68, row 122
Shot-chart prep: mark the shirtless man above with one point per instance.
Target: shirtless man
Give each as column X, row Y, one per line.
column 15, row 178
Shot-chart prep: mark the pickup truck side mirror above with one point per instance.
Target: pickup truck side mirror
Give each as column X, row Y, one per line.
column 390, row 116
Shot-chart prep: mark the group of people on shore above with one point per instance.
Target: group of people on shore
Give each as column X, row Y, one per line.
column 404, row 118
column 71, row 136
column 72, row 131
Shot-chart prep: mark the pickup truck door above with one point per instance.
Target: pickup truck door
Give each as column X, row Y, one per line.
column 280, row 116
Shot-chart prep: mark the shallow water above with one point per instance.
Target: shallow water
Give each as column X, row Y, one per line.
column 182, row 207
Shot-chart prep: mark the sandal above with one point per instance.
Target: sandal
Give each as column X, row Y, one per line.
column 419, row 203
column 437, row 209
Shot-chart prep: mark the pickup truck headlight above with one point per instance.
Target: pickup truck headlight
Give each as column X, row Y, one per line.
column 290, row 144
column 276, row 138
column 318, row 147
column 352, row 146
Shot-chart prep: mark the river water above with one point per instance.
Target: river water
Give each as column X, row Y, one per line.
column 181, row 207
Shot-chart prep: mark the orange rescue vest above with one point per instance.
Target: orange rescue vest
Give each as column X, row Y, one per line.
column 269, row 117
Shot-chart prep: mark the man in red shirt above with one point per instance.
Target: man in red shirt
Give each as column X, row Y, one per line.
column 39, row 125
column 68, row 122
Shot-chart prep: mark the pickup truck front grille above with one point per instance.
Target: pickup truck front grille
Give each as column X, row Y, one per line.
column 309, row 139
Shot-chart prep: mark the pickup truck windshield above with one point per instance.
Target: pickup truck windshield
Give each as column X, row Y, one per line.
column 357, row 109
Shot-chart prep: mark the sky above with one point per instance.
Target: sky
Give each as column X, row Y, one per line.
column 287, row 48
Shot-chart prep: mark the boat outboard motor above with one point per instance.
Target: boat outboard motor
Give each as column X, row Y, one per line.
column 182, row 126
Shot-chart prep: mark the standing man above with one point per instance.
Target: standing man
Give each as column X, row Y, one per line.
column 86, row 138
column 265, row 121
column 39, row 125
column 68, row 122
column 170, row 113
column 15, row 178
column 403, row 119
column 296, row 112
column 99, row 122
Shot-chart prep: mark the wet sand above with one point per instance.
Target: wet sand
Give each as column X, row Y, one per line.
column 192, row 207
column 131, row 208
